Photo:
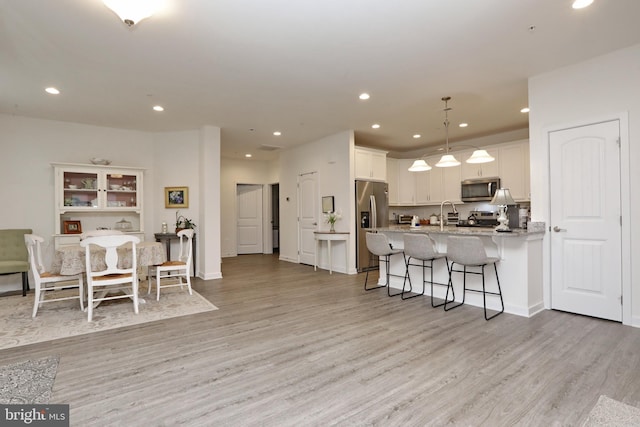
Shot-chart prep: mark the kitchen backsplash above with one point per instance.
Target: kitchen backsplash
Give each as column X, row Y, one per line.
column 424, row 212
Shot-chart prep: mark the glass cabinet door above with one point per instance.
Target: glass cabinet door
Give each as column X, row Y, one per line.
column 80, row 189
column 121, row 190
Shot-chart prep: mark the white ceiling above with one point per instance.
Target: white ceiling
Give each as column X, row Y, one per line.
column 255, row 66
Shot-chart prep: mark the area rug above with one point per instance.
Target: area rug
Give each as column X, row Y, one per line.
column 61, row 319
column 609, row 412
column 28, row 382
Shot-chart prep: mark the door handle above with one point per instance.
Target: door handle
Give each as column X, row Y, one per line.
column 315, row 223
column 558, row 229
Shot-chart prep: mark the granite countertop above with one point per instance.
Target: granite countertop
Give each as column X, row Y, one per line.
column 537, row 228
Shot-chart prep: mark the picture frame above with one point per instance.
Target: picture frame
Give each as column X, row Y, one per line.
column 176, row 197
column 327, row 204
column 72, row 227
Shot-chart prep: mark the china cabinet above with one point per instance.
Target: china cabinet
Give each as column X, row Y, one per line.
column 100, row 197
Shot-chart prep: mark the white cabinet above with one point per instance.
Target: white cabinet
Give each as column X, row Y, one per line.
column 392, row 180
column 89, row 197
column 514, row 170
column 406, row 183
column 370, row 164
column 479, row 170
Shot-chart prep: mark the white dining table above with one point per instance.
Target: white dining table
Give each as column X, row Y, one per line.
column 70, row 260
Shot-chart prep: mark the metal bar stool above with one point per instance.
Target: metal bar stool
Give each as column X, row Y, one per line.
column 468, row 251
column 420, row 247
column 378, row 245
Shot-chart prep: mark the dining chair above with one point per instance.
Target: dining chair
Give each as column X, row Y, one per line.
column 174, row 269
column 378, row 245
column 116, row 276
column 421, row 249
column 94, row 233
column 46, row 281
column 469, row 251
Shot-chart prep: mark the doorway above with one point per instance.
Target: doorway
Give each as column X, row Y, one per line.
column 275, row 216
column 586, row 220
column 307, row 217
column 249, row 220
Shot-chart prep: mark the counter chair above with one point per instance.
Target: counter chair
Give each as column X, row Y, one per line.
column 113, row 277
column 179, row 269
column 379, row 246
column 46, row 281
column 420, row 247
column 469, row 251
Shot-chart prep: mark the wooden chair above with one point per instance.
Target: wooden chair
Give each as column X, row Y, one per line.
column 48, row 282
column 94, row 233
column 180, row 268
column 112, row 278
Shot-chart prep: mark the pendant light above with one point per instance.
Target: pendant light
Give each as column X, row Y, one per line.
column 447, row 160
column 419, row 166
column 480, row 156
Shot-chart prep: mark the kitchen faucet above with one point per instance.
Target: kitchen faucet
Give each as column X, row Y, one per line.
column 441, row 214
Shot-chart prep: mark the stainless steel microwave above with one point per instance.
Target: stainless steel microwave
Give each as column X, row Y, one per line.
column 479, row 190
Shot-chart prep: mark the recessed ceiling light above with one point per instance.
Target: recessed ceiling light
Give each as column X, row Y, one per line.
column 463, row 125
column 579, row 4
column 158, row 108
column 247, row 155
column 375, row 126
column 52, row 90
column 417, row 135
column 364, row 96
column 525, row 110
column 277, row 133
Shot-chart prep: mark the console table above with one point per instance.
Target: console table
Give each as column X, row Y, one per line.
column 329, row 237
column 166, row 238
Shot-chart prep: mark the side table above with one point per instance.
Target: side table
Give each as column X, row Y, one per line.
column 166, row 238
column 330, row 237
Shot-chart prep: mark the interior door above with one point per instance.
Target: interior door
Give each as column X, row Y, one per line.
column 586, row 245
column 307, row 216
column 249, row 201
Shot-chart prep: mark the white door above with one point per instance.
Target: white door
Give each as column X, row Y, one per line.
column 249, row 200
column 307, row 216
column 586, row 272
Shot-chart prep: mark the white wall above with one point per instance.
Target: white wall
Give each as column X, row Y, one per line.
column 589, row 91
column 28, row 146
column 332, row 159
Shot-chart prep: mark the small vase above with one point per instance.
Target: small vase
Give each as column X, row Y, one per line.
column 332, row 229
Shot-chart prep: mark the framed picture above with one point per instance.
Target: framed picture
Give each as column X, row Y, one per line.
column 176, row 197
column 72, row 227
column 327, row 204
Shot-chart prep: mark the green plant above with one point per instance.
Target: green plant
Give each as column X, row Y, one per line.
column 183, row 222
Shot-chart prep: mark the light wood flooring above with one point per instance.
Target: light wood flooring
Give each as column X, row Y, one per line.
column 293, row 347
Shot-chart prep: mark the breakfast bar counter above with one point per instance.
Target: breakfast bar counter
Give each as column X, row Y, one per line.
column 520, row 265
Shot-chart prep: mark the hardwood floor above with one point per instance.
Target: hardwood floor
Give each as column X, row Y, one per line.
column 290, row 346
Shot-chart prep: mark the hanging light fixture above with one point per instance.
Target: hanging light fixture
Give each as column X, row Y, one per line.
column 480, row 156
column 133, row 11
column 419, row 166
column 447, row 160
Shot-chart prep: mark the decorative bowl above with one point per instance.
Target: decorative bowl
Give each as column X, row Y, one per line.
column 73, row 186
column 115, row 186
column 99, row 161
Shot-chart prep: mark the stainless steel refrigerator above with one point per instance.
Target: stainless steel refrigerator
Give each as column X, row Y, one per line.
column 372, row 211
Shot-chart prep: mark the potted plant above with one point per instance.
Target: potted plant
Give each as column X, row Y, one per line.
column 183, row 222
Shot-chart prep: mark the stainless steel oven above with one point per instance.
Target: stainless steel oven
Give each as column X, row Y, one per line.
column 479, row 190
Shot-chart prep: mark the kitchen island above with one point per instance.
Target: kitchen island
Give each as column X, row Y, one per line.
column 520, row 266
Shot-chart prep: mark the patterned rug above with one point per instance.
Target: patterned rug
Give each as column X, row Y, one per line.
column 28, row 382
column 61, row 319
column 609, row 412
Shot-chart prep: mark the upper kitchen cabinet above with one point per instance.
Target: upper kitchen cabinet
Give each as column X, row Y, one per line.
column 370, row 164
column 392, row 180
column 406, row 183
column 479, row 170
column 514, row 169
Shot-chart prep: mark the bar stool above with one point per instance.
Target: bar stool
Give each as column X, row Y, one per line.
column 420, row 247
column 378, row 245
column 468, row 251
